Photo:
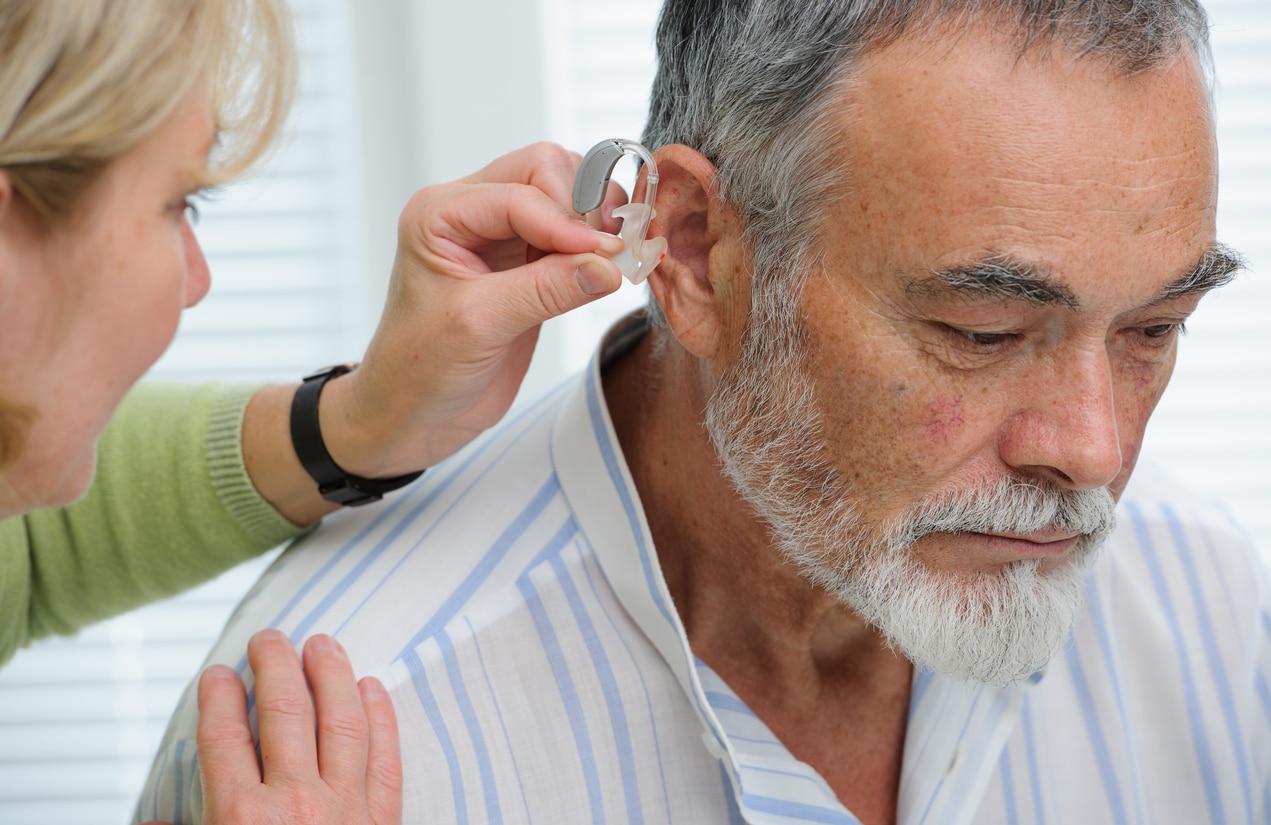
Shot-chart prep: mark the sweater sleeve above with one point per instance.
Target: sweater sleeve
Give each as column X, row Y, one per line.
column 171, row 506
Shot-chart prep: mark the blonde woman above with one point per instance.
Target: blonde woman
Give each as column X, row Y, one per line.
column 113, row 113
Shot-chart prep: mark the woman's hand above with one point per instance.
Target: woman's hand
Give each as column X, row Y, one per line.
column 481, row 263
column 345, row 770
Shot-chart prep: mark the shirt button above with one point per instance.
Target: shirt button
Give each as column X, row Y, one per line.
column 953, row 760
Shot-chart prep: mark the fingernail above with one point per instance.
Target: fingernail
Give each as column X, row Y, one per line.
column 270, row 635
column 593, row 277
column 372, row 689
column 221, row 672
column 609, row 244
column 324, row 642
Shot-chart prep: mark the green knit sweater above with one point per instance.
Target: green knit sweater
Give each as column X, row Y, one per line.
column 171, row 506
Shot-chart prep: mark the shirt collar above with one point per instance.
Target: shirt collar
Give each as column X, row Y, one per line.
column 956, row 731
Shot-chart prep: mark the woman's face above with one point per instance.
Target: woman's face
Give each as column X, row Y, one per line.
column 87, row 306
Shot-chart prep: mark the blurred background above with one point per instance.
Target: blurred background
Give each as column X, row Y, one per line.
column 398, row 94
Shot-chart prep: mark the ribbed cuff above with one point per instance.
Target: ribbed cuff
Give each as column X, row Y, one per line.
column 228, row 472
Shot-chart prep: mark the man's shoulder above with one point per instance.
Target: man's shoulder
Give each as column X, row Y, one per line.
column 1187, row 556
column 1162, row 516
column 379, row 576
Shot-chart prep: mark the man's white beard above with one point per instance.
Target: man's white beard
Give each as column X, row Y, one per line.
column 995, row 626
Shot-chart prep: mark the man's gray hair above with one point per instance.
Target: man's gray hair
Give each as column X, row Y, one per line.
column 751, row 84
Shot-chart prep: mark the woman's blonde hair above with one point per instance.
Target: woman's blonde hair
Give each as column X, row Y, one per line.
column 84, row 81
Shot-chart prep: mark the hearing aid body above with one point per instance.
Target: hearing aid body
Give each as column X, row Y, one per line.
column 640, row 255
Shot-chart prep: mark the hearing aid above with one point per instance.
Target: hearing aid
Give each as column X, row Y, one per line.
column 640, row 255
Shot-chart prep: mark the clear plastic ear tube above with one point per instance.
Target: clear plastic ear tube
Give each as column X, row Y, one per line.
column 641, row 255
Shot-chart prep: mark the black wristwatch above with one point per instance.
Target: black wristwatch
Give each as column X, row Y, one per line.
column 334, row 484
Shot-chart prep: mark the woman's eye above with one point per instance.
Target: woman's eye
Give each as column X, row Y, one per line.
column 190, row 210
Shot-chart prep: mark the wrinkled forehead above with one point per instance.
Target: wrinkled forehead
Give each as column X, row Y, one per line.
column 966, row 146
column 948, row 95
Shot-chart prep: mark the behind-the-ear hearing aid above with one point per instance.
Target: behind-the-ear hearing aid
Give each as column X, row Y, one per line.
column 641, row 255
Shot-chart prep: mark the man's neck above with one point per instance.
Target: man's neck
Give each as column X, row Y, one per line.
column 815, row 672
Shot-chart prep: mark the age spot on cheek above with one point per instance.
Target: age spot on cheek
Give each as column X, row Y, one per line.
column 943, row 417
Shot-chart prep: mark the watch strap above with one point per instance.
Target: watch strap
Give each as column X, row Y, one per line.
column 334, row 484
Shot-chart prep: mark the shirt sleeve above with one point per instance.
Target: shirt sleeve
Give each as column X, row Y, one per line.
column 171, row 506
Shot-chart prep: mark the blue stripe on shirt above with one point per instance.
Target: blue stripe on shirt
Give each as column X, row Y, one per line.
column 644, row 685
column 609, row 687
column 437, row 481
column 1031, row 757
column 476, row 735
column 730, row 798
column 568, row 693
column 1111, row 672
column 620, row 487
column 629, row 508
column 1209, row 643
column 1204, row 754
column 498, row 711
column 797, row 810
column 1094, row 733
column 423, row 538
column 725, row 701
column 482, row 570
column 1008, row 788
column 966, row 724
column 419, row 679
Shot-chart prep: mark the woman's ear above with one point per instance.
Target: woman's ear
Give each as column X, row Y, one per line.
column 695, row 283
column 6, row 195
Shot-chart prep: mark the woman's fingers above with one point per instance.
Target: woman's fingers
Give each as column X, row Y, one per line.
column 463, row 221
column 348, row 774
column 544, row 166
column 552, row 286
column 283, row 710
column 227, row 753
column 384, row 759
column 341, row 720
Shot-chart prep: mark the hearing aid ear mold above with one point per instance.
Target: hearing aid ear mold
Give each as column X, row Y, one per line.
column 640, row 255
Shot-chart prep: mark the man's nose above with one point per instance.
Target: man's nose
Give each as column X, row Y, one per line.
column 1066, row 429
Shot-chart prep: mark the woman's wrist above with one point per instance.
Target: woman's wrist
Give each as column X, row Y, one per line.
column 271, row 461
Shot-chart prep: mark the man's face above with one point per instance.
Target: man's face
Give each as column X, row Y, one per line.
column 1017, row 245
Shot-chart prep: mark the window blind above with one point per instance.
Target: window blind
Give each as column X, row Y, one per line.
column 1213, row 427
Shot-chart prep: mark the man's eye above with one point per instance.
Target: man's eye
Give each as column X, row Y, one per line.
column 983, row 340
column 1157, row 336
column 1163, row 330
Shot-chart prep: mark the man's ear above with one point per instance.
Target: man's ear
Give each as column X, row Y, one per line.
column 702, row 275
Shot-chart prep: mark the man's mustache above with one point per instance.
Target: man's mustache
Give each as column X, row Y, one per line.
column 1011, row 506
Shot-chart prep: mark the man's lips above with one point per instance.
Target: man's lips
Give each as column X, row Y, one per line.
column 1038, row 544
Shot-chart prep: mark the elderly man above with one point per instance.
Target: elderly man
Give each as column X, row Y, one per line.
column 826, row 537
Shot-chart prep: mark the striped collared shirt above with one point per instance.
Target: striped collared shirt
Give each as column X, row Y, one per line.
column 512, row 603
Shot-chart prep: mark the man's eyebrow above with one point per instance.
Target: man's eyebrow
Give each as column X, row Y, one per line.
column 1219, row 266
column 1009, row 278
column 997, row 276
